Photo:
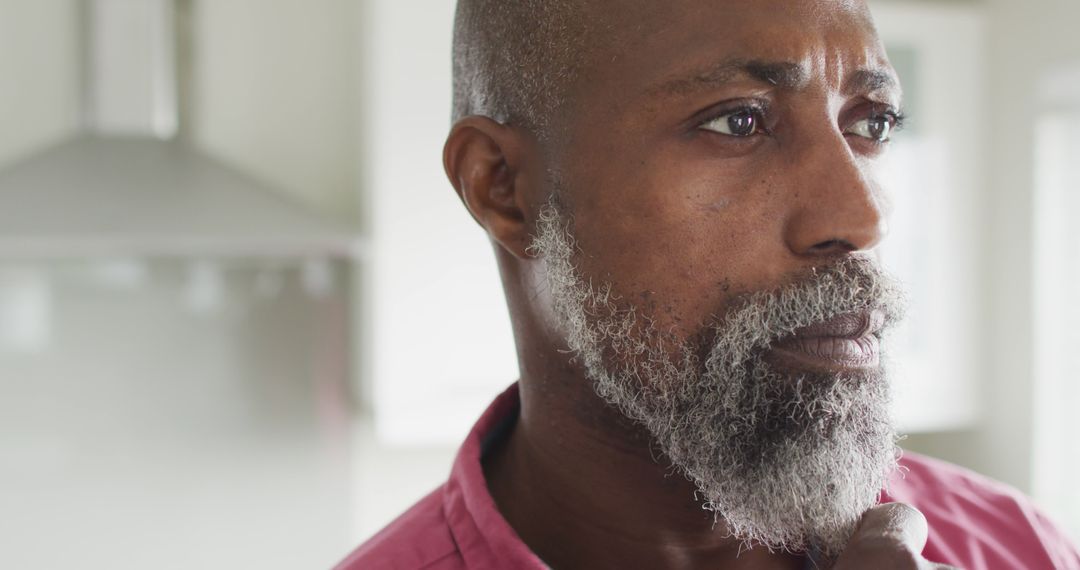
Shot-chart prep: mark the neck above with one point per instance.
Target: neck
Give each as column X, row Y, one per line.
column 585, row 488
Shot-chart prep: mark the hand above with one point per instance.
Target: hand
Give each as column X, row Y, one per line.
column 889, row 537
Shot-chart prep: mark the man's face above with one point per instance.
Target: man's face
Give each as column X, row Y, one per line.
column 718, row 179
column 678, row 213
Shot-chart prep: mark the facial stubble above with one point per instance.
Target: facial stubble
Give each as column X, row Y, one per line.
column 787, row 460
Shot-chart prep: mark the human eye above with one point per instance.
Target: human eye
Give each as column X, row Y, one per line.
column 878, row 127
column 742, row 122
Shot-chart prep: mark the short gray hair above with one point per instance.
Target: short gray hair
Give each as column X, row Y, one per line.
column 514, row 59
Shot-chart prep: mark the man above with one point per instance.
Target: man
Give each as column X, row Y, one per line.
column 683, row 202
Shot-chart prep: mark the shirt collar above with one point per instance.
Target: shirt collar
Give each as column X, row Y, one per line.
column 483, row 536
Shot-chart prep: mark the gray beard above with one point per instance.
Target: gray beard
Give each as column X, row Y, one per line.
column 788, row 461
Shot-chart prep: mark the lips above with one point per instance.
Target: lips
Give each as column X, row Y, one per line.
column 847, row 342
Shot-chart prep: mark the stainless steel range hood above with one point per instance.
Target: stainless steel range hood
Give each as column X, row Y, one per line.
column 130, row 184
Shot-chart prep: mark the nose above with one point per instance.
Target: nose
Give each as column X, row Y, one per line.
column 839, row 207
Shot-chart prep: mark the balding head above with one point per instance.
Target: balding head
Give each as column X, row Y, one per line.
column 514, row 61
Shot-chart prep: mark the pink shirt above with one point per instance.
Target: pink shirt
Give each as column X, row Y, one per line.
column 975, row 522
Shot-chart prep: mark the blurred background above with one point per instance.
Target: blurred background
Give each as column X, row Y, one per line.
column 244, row 321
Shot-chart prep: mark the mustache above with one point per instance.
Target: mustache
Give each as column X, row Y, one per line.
column 855, row 283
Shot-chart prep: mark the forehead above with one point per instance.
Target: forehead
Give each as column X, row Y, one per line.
column 677, row 44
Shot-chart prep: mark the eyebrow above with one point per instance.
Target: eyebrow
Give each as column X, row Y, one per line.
column 870, row 81
column 787, row 75
column 790, row 76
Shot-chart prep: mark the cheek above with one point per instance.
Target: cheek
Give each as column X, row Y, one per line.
column 678, row 243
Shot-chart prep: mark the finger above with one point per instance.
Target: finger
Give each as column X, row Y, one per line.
column 896, row 521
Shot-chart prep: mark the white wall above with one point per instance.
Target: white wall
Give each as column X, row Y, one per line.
column 39, row 65
column 1029, row 38
column 443, row 347
column 274, row 94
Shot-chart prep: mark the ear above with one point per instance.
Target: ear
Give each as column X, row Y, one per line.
column 487, row 164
